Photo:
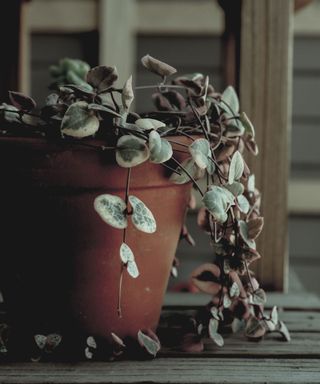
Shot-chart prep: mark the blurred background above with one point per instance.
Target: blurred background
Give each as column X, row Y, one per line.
column 193, row 36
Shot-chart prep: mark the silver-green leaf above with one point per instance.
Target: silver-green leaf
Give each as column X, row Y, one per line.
column 214, row 335
column 131, row 151
column 111, row 209
column 142, row 218
column 234, row 290
column 160, row 149
column 248, row 126
column 127, row 257
column 243, row 204
column 244, row 232
column 236, row 167
column 78, row 121
column 127, row 94
column 187, row 167
column 217, row 201
column 152, row 346
column 147, row 124
column 229, row 96
column 200, row 150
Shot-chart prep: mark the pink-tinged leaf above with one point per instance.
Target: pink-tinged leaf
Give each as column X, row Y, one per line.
column 255, row 227
column 255, row 328
column 102, row 78
column 192, row 343
column 156, row 66
column 206, row 278
column 21, row 101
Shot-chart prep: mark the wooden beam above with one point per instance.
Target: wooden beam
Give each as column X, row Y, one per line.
column 265, row 92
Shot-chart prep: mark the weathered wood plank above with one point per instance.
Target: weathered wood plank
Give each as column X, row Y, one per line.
column 297, row 301
column 265, row 91
column 302, row 345
column 296, row 321
column 162, row 370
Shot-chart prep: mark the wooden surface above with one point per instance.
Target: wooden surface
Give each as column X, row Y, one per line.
column 265, row 93
column 239, row 361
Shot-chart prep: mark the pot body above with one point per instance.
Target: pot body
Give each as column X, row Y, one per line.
column 60, row 263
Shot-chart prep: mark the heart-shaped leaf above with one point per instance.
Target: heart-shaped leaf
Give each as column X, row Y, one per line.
column 217, row 201
column 131, row 151
column 215, row 313
column 214, row 335
column 53, row 341
column 243, row 204
column 102, row 78
column 237, row 325
column 21, row 101
column 258, row 297
column 236, row 167
column 248, row 126
column 152, row 346
column 127, row 257
column 127, row 94
column 244, row 232
column 111, row 209
column 229, row 97
column 254, row 328
column 132, row 269
column 235, row 188
column 91, row 342
column 206, row 278
column 255, row 227
column 40, row 340
column 78, row 121
column 284, row 331
column 126, row 253
column 142, row 218
column 156, row 66
column 147, row 124
column 200, row 150
column 226, row 301
column 234, row 290
column 187, row 167
column 160, row 149
column 11, row 113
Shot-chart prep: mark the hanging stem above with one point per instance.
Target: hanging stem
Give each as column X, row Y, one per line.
column 124, row 238
column 189, row 175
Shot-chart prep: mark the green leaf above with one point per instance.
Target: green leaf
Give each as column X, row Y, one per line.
column 160, row 149
column 200, row 150
column 217, row 201
column 244, row 232
column 131, row 151
column 102, row 108
column 111, row 209
column 234, row 290
column 142, row 218
column 248, row 126
column 236, row 167
column 78, row 121
column 152, row 346
column 226, row 301
column 235, row 188
column 102, row 78
column 192, row 168
column 156, row 66
column 13, row 116
column 251, row 184
column 237, row 325
column 229, row 96
column 258, row 297
column 127, row 257
column 274, row 315
column 243, row 204
column 148, row 124
column 127, row 94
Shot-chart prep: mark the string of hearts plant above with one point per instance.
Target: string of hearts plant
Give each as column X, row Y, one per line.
column 86, row 103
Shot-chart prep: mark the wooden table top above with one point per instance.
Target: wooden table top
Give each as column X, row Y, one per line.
column 239, row 361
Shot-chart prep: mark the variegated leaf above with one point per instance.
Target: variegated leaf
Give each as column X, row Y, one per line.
column 148, row 124
column 111, row 209
column 243, row 204
column 132, row 269
column 126, row 253
column 200, row 150
column 131, row 151
column 217, row 201
column 244, row 232
column 152, row 346
column 142, row 218
column 127, row 94
column 187, row 167
column 160, row 149
column 234, row 290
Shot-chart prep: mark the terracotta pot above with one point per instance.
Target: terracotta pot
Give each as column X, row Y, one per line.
column 60, row 263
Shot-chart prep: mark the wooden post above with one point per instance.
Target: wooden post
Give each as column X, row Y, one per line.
column 265, row 92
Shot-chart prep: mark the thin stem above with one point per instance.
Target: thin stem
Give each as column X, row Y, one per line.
column 154, row 86
column 124, row 239
column 171, row 169
column 189, row 175
column 114, row 102
column 177, row 142
column 20, row 112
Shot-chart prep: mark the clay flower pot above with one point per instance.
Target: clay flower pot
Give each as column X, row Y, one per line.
column 60, row 263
